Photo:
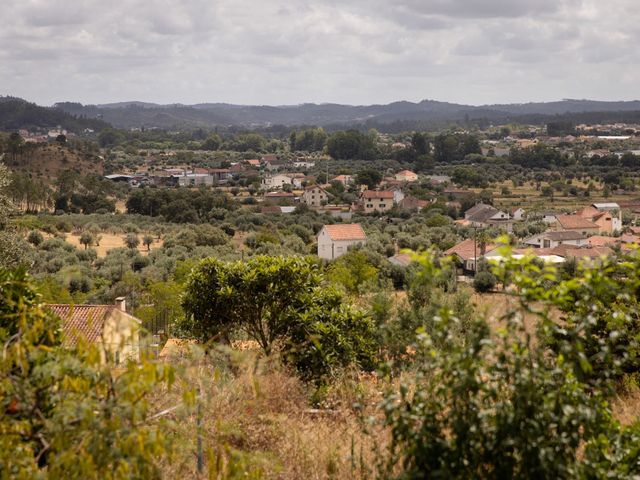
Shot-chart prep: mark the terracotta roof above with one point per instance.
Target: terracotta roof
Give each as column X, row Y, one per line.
column 477, row 208
column 352, row 231
column 86, row 321
column 577, row 252
column 563, row 235
column 406, row 173
column 401, row 259
column 575, row 222
column 468, row 249
column 377, row 194
column 255, row 162
column 588, row 212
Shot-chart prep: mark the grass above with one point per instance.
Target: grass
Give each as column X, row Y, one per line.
column 110, row 241
column 257, row 416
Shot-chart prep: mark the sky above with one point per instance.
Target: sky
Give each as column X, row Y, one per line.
column 275, row 52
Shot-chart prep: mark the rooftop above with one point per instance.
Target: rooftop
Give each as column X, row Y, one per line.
column 377, row 194
column 351, row 231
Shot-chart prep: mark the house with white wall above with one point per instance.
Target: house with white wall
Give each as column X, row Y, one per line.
column 335, row 240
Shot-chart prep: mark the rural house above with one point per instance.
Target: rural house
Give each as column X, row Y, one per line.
column 107, row 325
column 335, row 240
column 315, row 196
column 377, row 201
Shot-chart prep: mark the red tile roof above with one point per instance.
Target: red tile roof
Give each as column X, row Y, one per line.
column 377, row 194
column 468, row 249
column 352, row 231
column 575, row 222
column 82, row 321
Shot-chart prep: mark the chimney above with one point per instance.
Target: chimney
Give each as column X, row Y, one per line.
column 121, row 304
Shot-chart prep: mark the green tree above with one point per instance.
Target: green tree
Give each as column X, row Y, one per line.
column 132, row 241
column 420, row 143
column 369, row 177
column 86, row 239
column 212, row 142
column 281, row 304
column 147, row 240
column 352, row 271
column 63, row 414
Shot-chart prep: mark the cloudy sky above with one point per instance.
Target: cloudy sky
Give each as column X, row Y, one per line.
column 294, row 51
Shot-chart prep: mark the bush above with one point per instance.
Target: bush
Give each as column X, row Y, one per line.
column 35, row 238
column 484, row 281
column 498, row 405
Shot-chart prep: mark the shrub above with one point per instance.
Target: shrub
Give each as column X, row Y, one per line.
column 35, row 238
column 484, row 281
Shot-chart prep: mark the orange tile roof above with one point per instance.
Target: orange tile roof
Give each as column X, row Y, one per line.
column 575, row 222
column 352, row 231
column 601, row 240
column 468, row 249
column 82, row 321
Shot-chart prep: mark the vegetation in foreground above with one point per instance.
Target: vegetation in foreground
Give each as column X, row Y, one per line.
column 462, row 400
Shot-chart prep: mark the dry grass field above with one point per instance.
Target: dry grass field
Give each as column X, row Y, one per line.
column 529, row 198
column 110, row 241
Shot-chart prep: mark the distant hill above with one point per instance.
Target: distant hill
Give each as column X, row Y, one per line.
column 140, row 114
column 16, row 113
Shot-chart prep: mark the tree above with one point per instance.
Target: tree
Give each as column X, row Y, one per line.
column 420, row 143
column 147, row 240
column 132, row 241
column 54, row 401
column 278, row 302
column 352, row 271
column 484, row 281
column 369, row 177
column 499, row 405
column 86, row 239
column 350, row 145
column 212, row 142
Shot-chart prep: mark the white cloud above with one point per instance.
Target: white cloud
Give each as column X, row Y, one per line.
column 292, row 51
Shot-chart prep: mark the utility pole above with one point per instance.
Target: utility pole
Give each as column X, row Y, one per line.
column 475, row 250
column 200, row 456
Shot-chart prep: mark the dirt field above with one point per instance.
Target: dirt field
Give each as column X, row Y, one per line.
column 110, row 241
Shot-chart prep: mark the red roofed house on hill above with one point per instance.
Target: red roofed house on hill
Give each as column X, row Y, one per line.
column 335, row 240
column 107, row 325
column 468, row 253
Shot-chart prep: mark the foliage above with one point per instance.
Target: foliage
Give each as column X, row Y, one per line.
column 351, row 144
column 352, row 271
column 62, row 413
column 280, row 303
column 599, row 332
column 500, row 407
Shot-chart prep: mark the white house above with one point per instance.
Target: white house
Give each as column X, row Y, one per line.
column 335, row 240
column 271, row 182
column 553, row 239
column 315, row 196
column 517, row 214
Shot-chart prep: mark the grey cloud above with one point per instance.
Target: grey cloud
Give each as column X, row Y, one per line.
column 290, row 51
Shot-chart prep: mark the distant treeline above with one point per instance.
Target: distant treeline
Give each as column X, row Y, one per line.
column 16, row 114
